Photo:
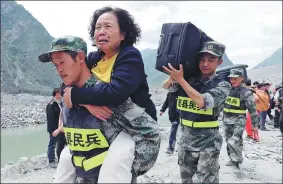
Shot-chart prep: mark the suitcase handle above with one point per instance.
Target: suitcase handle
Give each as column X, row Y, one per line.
column 168, row 43
column 161, row 45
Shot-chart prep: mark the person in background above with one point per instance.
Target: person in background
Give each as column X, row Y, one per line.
column 255, row 83
column 281, row 121
column 237, row 103
column 249, row 130
column 171, row 102
column 61, row 139
column 269, row 92
column 59, row 132
column 53, row 110
column 254, row 86
column 248, row 83
column 278, row 98
column 262, row 104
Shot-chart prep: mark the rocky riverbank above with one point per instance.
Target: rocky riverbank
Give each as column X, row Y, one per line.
column 23, row 110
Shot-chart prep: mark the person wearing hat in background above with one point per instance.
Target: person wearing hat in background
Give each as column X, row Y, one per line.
column 254, row 86
column 262, row 105
column 237, row 103
column 248, row 85
column 255, row 83
column 200, row 101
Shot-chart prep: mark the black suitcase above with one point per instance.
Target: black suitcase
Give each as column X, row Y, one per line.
column 179, row 44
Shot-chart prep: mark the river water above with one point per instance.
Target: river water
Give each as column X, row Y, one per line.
column 32, row 140
column 23, row 142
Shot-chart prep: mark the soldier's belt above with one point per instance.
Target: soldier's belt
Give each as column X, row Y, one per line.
column 84, row 139
column 204, row 124
column 234, row 111
column 91, row 163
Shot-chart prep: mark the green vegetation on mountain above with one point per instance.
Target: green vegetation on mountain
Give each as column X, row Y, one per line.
column 23, row 38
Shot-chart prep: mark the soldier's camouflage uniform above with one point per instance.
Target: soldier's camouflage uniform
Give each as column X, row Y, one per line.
column 127, row 117
column 199, row 148
column 234, row 123
column 132, row 119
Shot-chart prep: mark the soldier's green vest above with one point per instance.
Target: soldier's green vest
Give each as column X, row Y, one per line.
column 193, row 116
column 86, row 141
column 234, row 105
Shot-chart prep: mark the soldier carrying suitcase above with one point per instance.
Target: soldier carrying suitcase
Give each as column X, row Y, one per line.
column 200, row 100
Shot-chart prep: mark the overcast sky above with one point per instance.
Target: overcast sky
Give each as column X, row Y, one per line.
column 251, row 30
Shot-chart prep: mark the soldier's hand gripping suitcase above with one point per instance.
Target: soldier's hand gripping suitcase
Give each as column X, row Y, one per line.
column 179, row 44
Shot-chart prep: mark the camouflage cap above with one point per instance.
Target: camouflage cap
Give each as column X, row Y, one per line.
column 66, row 43
column 214, row 48
column 236, row 73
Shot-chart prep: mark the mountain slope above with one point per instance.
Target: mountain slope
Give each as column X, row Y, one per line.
column 274, row 59
column 23, row 38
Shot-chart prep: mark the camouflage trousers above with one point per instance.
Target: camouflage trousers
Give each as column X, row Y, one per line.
column 146, row 134
column 83, row 180
column 199, row 167
column 94, row 181
column 234, row 139
column 134, row 179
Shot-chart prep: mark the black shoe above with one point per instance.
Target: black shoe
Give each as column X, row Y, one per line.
column 53, row 165
column 264, row 129
column 169, row 151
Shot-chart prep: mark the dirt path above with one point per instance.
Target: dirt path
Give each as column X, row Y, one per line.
column 262, row 164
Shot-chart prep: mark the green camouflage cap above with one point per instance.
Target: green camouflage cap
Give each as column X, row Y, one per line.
column 214, row 48
column 236, row 73
column 66, row 43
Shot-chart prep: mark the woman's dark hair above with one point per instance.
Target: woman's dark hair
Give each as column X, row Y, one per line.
column 128, row 27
